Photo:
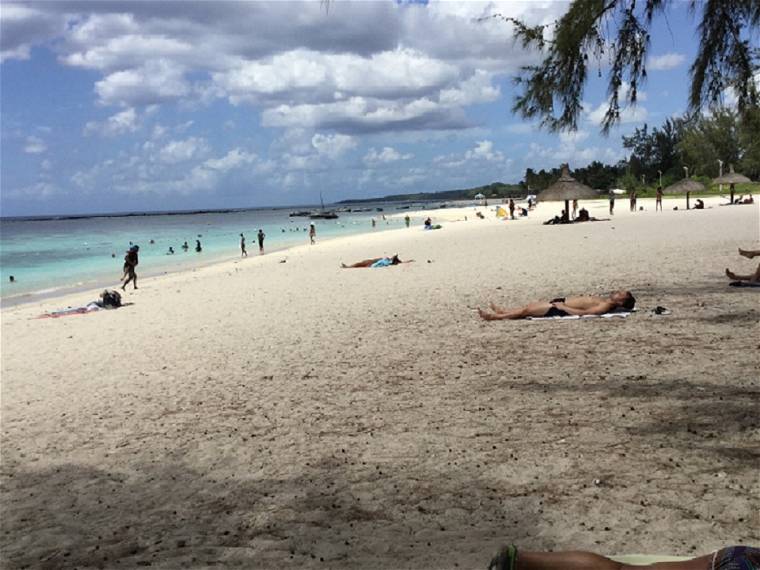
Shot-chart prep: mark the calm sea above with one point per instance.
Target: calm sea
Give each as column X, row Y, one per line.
column 47, row 255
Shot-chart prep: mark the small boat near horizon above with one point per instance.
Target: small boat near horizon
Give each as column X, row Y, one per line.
column 323, row 214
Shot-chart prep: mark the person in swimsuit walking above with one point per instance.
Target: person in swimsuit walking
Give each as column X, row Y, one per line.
column 658, row 200
column 730, row 558
column 563, row 307
column 130, row 265
column 243, row 252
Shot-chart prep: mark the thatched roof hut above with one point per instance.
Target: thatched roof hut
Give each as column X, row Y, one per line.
column 567, row 188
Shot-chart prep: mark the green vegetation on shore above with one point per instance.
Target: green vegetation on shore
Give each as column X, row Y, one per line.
column 661, row 154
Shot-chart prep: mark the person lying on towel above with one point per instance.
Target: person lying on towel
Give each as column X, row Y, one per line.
column 564, row 307
column 376, row 262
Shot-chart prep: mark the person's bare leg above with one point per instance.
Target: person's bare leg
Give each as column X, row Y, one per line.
column 749, row 253
column 538, row 309
column 358, row 264
column 753, row 277
column 578, row 560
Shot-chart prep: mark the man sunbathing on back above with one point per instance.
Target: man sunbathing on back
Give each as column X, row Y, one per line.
column 563, row 307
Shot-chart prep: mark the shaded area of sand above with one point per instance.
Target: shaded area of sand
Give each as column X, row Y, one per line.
column 275, row 415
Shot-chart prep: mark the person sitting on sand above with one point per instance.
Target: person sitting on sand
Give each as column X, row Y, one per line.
column 699, row 205
column 730, row 558
column 563, row 307
column 376, row 262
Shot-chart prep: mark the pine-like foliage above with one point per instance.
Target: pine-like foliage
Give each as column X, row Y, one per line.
column 617, row 33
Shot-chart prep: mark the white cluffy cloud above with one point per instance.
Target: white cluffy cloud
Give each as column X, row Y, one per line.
column 483, row 152
column 333, row 145
column 385, row 155
column 34, row 145
column 359, row 67
column 183, row 150
column 121, row 123
column 665, row 61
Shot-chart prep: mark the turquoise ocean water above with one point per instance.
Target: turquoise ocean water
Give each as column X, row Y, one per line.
column 46, row 256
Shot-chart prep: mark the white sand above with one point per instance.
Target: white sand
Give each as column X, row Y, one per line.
column 260, row 414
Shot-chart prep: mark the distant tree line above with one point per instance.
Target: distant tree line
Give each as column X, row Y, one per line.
column 696, row 142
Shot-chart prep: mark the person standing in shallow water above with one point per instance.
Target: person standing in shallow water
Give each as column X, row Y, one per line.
column 312, row 233
column 198, row 247
column 407, row 220
column 261, row 237
column 243, row 252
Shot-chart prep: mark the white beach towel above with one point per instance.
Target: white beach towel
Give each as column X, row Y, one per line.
column 621, row 314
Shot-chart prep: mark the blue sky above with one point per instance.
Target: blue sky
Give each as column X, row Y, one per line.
column 121, row 106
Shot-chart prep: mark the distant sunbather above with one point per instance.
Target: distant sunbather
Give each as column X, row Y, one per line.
column 376, row 262
column 563, row 307
column 507, row 558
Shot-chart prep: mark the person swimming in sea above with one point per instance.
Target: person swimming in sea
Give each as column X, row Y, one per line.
column 198, row 247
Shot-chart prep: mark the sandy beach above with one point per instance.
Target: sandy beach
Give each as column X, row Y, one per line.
column 260, row 414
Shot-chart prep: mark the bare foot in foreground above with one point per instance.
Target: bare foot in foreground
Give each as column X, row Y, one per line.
column 748, row 253
column 730, row 274
column 485, row 315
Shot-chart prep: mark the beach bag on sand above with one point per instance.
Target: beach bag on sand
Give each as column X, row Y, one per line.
column 111, row 299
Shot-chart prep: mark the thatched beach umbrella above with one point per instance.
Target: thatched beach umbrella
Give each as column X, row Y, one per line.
column 731, row 178
column 685, row 186
column 565, row 189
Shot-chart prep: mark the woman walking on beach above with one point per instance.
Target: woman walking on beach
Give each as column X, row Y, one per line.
column 312, row 233
column 130, row 263
column 658, row 200
column 243, row 252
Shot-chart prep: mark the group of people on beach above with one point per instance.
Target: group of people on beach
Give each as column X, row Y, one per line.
column 260, row 235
